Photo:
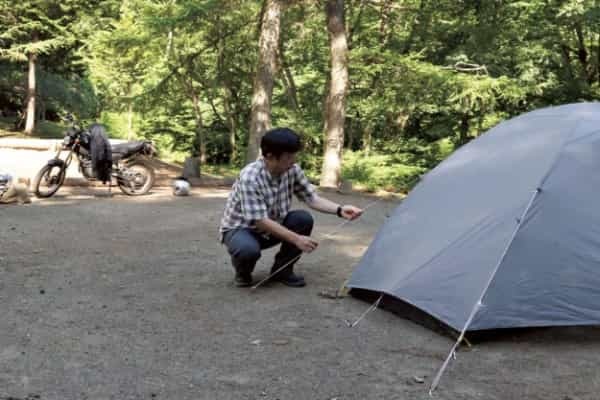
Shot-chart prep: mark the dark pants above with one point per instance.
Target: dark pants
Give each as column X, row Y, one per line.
column 245, row 245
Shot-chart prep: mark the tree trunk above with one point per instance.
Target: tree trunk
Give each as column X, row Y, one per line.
column 232, row 124
column 582, row 55
column 263, row 81
column 598, row 59
column 288, row 81
column 227, row 93
column 327, row 94
column 463, row 130
column 232, row 128
column 199, row 141
column 30, row 122
column 350, row 134
column 336, row 113
column 169, row 44
column 41, row 110
column 130, row 120
column 567, row 60
column 367, row 139
column 384, row 18
column 191, row 168
column 418, row 23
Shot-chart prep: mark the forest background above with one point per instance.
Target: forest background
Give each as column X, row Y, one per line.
column 380, row 90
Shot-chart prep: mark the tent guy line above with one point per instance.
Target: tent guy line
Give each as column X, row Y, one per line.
column 324, row 237
column 371, row 308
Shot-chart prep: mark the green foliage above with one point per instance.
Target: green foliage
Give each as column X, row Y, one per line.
column 61, row 96
column 57, row 94
column 425, row 76
column 11, row 87
column 6, row 127
column 50, row 130
column 221, row 170
column 44, row 130
column 117, row 124
column 380, row 171
column 33, row 27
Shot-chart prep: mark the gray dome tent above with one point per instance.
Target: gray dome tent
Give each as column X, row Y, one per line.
column 505, row 233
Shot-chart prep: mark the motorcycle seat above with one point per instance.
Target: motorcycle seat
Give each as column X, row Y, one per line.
column 124, row 150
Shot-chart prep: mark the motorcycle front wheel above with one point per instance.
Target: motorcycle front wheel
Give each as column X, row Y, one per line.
column 48, row 180
column 137, row 179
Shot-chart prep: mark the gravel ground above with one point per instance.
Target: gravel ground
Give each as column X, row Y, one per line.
column 132, row 298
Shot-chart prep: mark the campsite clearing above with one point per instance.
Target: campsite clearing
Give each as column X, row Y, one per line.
column 131, row 298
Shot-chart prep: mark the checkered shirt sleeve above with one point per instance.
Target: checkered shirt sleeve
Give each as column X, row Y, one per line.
column 303, row 189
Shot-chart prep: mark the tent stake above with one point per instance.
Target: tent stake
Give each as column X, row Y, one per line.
column 371, row 308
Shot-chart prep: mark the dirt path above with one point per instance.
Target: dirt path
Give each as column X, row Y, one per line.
column 125, row 298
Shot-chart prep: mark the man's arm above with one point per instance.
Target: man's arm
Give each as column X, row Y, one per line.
column 304, row 243
column 327, row 206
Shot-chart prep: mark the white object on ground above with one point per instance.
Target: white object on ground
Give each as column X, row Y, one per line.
column 181, row 187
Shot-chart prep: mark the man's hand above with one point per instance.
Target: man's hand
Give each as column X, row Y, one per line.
column 351, row 212
column 306, row 243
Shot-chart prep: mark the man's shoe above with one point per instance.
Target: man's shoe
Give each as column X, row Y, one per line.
column 292, row 280
column 243, row 280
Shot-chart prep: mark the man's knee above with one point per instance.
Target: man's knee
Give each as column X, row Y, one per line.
column 299, row 221
column 246, row 253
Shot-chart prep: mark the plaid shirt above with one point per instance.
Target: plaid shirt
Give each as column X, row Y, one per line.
column 256, row 195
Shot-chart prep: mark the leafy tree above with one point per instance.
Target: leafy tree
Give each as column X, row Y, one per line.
column 33, row 29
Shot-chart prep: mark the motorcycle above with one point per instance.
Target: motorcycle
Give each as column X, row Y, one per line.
column 130, row 168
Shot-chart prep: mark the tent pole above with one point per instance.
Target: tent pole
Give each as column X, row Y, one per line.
column 477, row 305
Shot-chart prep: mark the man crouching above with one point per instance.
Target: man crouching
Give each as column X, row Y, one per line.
column 258, row 216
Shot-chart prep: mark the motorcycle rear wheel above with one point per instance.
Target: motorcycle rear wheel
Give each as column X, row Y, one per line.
column 48, row 180
column 141, row 179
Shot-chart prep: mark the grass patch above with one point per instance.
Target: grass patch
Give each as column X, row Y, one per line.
column 221, row 170
column 49, row 130
column 380, row 171
column 117, row 125
column 6, row 126
column 373, row 173
column 172, row 156
column 43, row 130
